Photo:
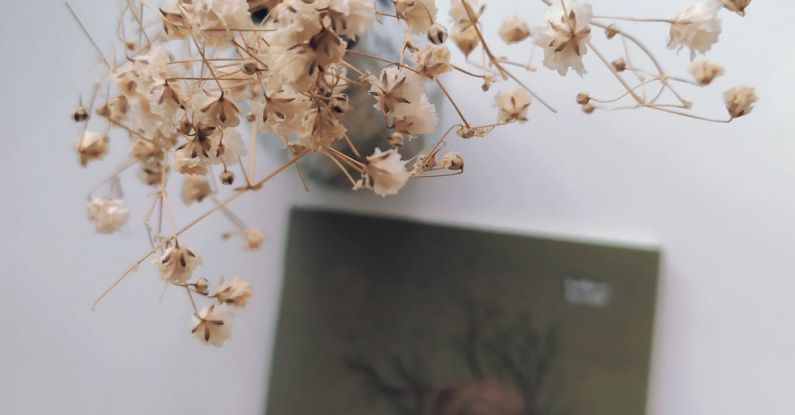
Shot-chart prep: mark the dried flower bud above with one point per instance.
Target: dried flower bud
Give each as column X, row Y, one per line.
column 740, row 101
column 705, row 71
column 395, row 139
column 466, row 132
column 588, row 109
column 250, row 68
column 453, row 161
column 583, row 98
column 611, row 31
column 437, row 34
column 202, row 286
column 620, row 65
column 737, row 6
column 80, row 114
column 227, row 177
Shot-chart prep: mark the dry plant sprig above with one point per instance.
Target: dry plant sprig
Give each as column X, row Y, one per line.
column 195, row 72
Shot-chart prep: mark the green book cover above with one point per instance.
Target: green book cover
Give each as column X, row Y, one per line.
column 391, row 317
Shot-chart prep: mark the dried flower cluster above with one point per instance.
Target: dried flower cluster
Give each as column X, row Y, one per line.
column 197, row 74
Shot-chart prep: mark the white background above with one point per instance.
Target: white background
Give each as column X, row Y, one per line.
column 718, row 200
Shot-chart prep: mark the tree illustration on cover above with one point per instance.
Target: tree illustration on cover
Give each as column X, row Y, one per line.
column 510, row 366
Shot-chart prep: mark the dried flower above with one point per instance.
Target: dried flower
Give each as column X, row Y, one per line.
column 564, row 36
column 698, row 28
column 352, row 18
column 253, row 238
column 419, row 15
column 107, row 214
column 704, row 71
column 195, row 189
column 92, row 146
column 385, row 172
column 465, row 38
column 740, row 101
column 514, row 30
column 513, row 105
column 583, row 98
column 234, row 292
column 191, row 159
column 432, row 60
column 396, row 90
column 152, row 170
column 458, row 11
column 210, row 325
column 227, row 147
column 177, row 264
column 418, row 119
column 395, row 139
column 202, row 286
column 220, row 112
column 452, row 161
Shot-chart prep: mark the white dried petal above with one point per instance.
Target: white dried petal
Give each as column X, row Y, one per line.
column 108, row 215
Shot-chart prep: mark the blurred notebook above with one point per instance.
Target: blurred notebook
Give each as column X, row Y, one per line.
column 389, row 317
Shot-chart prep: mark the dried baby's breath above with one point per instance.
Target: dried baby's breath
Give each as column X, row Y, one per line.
column 193, row 84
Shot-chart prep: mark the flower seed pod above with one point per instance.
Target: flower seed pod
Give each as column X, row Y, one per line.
column 202, row 286
column 583, row 98
column 620, row 65
column 396, row 139
column 80, row 114
column 611, row 31
column 588, row 109
column 250, row 68
column 227, row 177
column 437, row 34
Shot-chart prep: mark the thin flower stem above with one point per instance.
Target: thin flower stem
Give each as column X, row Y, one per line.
column 342, row 168
column 688, row 115
column 616, row 74
column 230, row 215
column 367, row 55
column 192, row 301
column 465, row 72
column 452, row 101
column 88, row 35
column 635, row 19
column 353, row 147
column 641, row 85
